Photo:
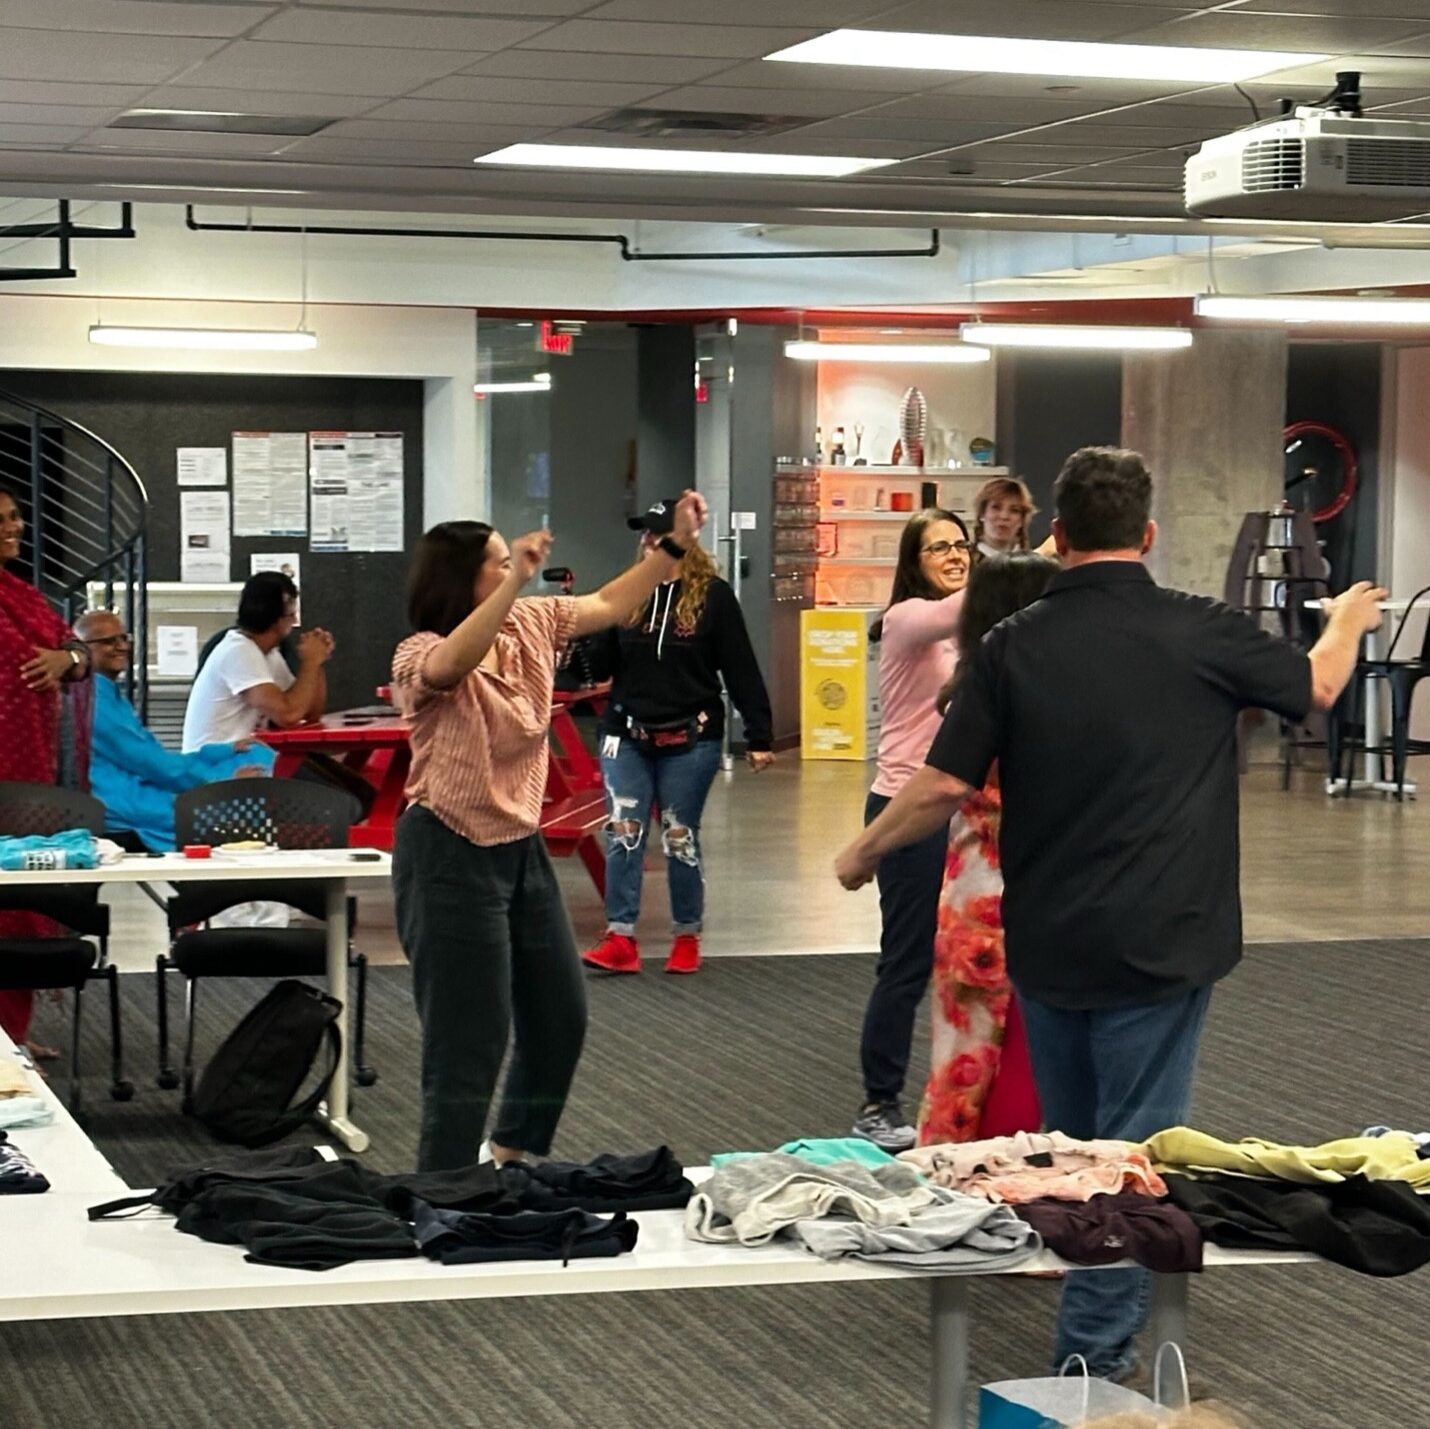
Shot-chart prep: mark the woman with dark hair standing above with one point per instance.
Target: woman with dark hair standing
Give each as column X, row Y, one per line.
column 38, row 655
column 1002, row 510
column 916, row 656
column 980, row 1080
column 661, row 740
column 479, row 912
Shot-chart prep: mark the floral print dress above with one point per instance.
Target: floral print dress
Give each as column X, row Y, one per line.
column 980, row 1081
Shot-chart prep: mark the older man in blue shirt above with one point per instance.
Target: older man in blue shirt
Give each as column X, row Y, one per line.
column 131, row 773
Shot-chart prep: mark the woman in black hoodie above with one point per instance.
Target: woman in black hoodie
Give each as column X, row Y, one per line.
column 661, row 740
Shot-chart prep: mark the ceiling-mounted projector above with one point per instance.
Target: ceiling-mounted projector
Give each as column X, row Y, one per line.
column 1315, row 164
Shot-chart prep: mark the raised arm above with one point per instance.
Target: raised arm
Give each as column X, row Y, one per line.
column 286, row 708
column 927, row 802
column 631, row 589
column 1349, row 616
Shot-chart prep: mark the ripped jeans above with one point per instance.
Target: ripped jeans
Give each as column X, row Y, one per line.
column 672, row 788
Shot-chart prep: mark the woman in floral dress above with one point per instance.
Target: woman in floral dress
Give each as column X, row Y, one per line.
column 980, row 1082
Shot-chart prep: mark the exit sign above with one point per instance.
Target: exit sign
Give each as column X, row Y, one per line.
column 558, row 344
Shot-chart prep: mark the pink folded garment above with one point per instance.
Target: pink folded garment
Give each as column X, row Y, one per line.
column 1030, row 1166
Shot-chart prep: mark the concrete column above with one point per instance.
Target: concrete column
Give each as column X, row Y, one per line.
column 1209, row 422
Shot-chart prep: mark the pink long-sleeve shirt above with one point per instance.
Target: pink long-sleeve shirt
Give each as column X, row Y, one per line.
column 917, row 654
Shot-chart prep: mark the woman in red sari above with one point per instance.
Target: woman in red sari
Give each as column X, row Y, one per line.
column 38, row 654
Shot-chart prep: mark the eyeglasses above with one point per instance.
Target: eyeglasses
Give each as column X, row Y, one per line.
column 942, row 548
column 110, row 641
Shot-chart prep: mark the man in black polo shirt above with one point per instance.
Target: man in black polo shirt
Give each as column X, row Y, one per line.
column 1110, row 707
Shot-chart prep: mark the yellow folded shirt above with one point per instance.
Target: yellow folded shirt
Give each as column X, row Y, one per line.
column 1392, row 1157
column 13, row 1081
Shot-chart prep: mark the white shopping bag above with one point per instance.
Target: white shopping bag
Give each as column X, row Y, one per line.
column 1068, row 1399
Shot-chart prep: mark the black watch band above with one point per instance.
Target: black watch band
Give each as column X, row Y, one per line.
column 672, row 548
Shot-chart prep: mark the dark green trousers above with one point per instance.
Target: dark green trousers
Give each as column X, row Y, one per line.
column 492, row 954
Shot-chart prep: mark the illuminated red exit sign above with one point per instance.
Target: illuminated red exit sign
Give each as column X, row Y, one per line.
column 558, row 344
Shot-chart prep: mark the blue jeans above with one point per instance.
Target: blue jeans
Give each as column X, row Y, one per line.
column 1124, row 1073
column 676, row 786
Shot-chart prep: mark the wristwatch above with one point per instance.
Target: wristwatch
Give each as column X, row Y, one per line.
column 672, row 548
column 74, row 656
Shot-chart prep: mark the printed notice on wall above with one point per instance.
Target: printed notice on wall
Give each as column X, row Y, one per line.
column 355, row 481
column 203, row 466
column 178, row 650
column 270, row 483
column 203, row 536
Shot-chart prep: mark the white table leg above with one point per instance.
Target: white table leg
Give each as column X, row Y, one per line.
column 333, row 1114
column 1372, row 713
column 949, row 1347
column 1167, row 1316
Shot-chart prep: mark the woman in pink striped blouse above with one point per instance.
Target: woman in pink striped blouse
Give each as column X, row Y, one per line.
column 479, row 912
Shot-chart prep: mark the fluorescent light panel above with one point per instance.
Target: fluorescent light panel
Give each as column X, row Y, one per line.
column 1073, row 59
column 678, row 161
column 540, row 383
column 1368, row 312
column 884, row 352
column 1070, row 336
column 206, row 338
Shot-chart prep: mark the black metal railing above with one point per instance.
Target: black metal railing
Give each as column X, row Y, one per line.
column 86, row 518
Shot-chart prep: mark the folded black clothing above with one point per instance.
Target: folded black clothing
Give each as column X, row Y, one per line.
column 306, row 1172
column 645, row 1181
column 472, row 1238
column 18, row 1176
column 283, row 1229
column 1378, row 1227
column 1124, row 1226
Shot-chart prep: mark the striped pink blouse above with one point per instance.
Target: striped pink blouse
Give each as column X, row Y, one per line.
column 479, row 748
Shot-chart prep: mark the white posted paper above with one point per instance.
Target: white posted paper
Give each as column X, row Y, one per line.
column 356, row 489
column 270, row 483
column 178, row 650
column 203, row 536
column 203, row 466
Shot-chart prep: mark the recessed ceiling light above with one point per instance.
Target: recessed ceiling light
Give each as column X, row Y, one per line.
column 1078, row 59
column 949, row 352
column 1362, row 311
column 221, row 121
column 205, row 338
column 1069, row 335
column 540, row 383
column 679, row 161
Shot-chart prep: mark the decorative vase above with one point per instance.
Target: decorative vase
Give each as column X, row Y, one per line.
column 913, row 429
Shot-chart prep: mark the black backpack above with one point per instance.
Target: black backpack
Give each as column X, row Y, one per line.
column 246, row 1092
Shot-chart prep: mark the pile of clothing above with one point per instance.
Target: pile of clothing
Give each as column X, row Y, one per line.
column 305, row 1208
column 1093, row 1202
column 18, row 1176
column 1362, row 1202
column 19, row 1105
column 848, row 1199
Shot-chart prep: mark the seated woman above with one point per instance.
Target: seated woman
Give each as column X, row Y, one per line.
column 131, row 773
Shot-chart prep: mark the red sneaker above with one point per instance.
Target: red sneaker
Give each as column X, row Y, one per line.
column 684, row 954
column 615, row 953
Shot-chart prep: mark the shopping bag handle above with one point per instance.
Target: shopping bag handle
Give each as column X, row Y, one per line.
column 1086, row 1384
column 1181, row 1371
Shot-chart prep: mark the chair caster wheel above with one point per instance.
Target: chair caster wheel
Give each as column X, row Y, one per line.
column 122, row 1091
column 367, row 1077
column 168, row 1080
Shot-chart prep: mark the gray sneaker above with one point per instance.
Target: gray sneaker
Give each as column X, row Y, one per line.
column 883, row 1123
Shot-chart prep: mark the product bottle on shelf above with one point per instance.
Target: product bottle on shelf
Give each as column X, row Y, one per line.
column 836, row 448
column 818, row 446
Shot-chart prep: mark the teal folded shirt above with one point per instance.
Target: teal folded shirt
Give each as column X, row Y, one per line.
column 821, row 1152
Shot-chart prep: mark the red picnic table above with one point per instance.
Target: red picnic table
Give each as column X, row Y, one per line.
column 372, row 743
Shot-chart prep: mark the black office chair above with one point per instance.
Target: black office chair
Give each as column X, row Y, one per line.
column 1402, row 676
column 69, row 960
column 286, row 813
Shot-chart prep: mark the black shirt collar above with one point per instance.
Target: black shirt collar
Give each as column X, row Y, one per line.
column 1097, row 573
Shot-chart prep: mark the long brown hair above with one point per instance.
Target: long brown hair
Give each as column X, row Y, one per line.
column 910, row 582
column 697, row 570
column 990, row 491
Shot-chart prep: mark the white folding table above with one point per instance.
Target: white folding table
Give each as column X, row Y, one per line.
column 335, row 869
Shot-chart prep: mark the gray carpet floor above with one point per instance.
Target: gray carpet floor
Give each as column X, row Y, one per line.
column 1304, row 1042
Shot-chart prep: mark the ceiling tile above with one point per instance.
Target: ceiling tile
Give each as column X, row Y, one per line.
column 1124, row 136
column 79, row 56
column 1418, row 45
column 599, row 37
column 86, row 116
column 825, row 14
column 1369, row 9
column 761, row 75
column 312, row 26
column 988, row 108
column 1047, row 155
column 723, row 100
column 1030, row 19
column 42, row 133
column 804, row 143
column 262, row 101
column 471, row 137
column 976, row 171
column 932, row 133
column 338, row 69
column 1097, row 93
column 550, row 9
column 125, row 17
column 457, row 112
column 1268, row 94
column 25, row 91
column 554, row 66
column 384, row 152
column 500, row 89
column 1379, row 74
column 1237, row 29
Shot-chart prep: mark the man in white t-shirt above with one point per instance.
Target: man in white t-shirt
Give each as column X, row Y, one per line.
column 246, row 683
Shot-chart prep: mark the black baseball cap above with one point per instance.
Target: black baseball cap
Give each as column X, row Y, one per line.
column 659, row 520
